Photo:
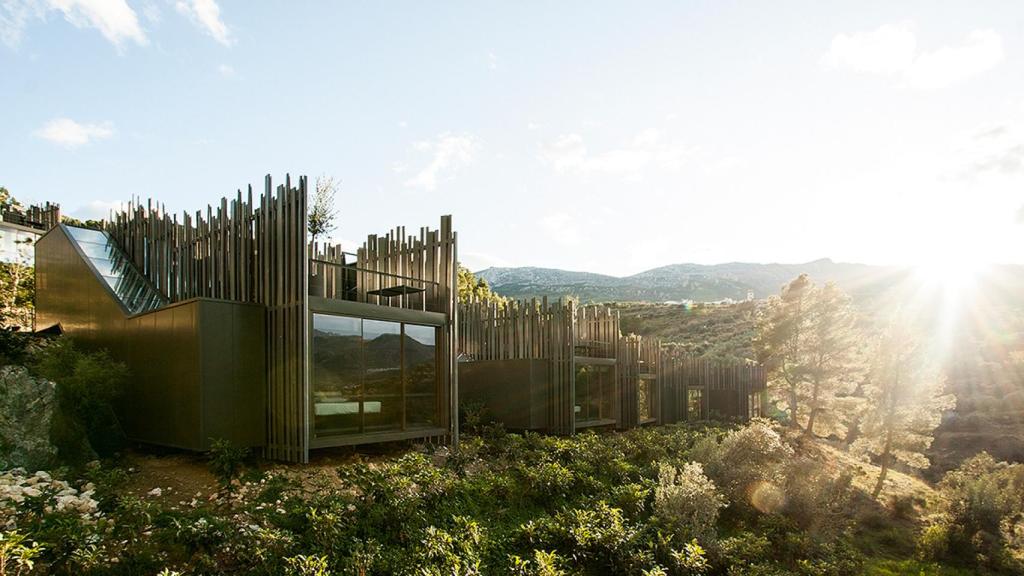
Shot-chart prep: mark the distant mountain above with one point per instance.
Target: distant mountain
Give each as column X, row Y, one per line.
column 698, row 282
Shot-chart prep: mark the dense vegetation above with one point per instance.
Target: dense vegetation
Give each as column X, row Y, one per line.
column 669, row 500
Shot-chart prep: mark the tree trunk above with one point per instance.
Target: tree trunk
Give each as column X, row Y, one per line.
column 886, row 457
column 793, row 423
column 809, row 431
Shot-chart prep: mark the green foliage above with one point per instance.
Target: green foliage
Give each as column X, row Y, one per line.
column 92, row 224
column 745, row 460
column 320, row 220
column 905, row 402
column 982, row 516
column 17, row 555
column 88, row 385
column 808, row 339
column 226, row 461
column 473, row 289
column 591, row 504
column 306, row 566
column 687, row 502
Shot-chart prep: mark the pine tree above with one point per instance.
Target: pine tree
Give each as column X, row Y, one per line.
column 905, row 405
column 473, row 289
column 809, row 341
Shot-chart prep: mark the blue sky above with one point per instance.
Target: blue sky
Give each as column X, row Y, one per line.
column 610, row 137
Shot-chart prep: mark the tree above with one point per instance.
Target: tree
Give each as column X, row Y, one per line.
column 7, row 199
column 94, row 224
column 17, row 288
column 473, row 289
column 322, row 212
column 905, row 405
column 809, row 341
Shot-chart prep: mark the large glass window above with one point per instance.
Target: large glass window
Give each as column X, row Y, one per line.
column 421, row 376
column 595, row 391
column 372, row 376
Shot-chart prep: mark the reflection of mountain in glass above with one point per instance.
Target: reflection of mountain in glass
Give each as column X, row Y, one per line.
column 341, row 353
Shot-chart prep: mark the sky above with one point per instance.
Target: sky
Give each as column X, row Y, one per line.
column 597, row 136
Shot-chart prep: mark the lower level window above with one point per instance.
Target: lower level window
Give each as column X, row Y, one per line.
column 595, row 389
column 373, row 376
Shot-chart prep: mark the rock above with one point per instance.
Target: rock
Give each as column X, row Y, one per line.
column 156, row 492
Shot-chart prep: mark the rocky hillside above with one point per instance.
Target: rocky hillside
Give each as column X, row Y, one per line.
column 677, row 282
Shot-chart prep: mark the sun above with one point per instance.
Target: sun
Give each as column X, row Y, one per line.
column 952, row 269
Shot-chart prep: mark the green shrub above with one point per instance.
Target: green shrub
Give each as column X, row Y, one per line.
column 978, row 520
column 17, row 555
column 744, row 459
column 88, row 385
column 687, row 502
column 542, row 564
column 814, row 499
column 225, row 462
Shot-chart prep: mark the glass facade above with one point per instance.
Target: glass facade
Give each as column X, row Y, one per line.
column 16, row 245
column 595, row 390
column 373, row 376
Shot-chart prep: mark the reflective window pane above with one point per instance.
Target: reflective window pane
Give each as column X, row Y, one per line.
column 373, row 376
column 382, row 343
column 421, row 376
column 337, row 374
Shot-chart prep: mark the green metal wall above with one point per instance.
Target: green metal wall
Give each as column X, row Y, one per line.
column 198, row 367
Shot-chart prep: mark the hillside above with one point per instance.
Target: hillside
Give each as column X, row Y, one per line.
column 677, row 282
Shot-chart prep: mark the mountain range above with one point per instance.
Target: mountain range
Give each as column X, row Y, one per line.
column 679, row 282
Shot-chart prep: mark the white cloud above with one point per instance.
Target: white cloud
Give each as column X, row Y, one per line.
column 226, row 70
column 97, row 209
column 980, row 52
column 206, row 15
column 449, row 152
column 492, row 61
column 70, row 134
column 531, row 126
column 115, row 19
column 891, row 50
column 991, row 150
column 648, row 150
column 888, row 50
column 14, row 16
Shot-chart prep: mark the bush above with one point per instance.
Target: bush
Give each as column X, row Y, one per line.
column 88, row 383
column 225, row 462
column 744, row 460
column 814, row 499
column 979, row 520
column 687, row 502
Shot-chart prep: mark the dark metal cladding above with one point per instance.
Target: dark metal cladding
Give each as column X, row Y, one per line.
column 197, row 366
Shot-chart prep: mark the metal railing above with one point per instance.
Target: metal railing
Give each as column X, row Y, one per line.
column 349, row 282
